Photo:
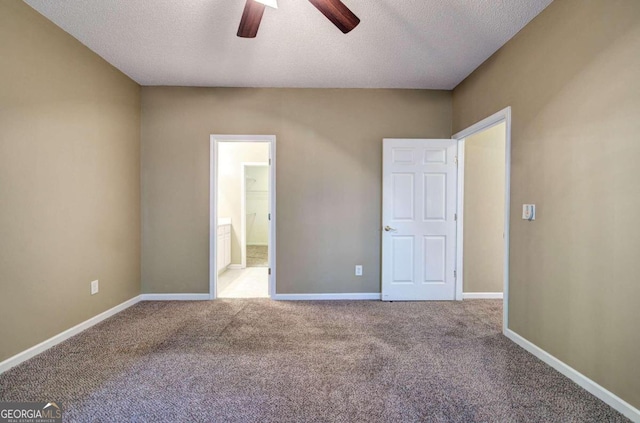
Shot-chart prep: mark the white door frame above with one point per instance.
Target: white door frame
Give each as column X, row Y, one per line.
column 243, row 209
column 503, row 115
column 213, row 206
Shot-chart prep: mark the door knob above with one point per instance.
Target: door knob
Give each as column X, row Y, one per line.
column 389, row 228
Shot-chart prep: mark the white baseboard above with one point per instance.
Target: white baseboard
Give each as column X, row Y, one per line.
column 258, row 244
column 589, row 385
column 54, row 340
column 235, row 267
column 314, row 297
column 482, row 295
column 174, row 297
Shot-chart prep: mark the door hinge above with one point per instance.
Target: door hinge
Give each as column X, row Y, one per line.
column 269, row 162
column 269, row 216
column 455, row 159
column 455, row 217
column 455, row 274
column 269, row 270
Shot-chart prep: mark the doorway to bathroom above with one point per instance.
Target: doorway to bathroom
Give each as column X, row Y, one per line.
column 255, row 212
column 242, row 235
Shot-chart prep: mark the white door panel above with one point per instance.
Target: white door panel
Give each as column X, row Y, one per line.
column 403, row 189
column 419, row 206
column 403, row 252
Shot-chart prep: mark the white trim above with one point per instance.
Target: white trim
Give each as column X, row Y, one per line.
column 243, row 209
column 243, row 219
column 213, row 202
column 493, row 120
column 213, row 218
column 503, row 115
column 507, row 216
column 63, row 336
column 314, row 297
column 174, row 297
column 589, row 385
column 236, row 267
column 272, row 223
column 459, row 225
column 482, row 295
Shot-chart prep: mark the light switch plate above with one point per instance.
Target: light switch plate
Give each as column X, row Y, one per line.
column 359, row 270
column 94, row 287
column 529, row 212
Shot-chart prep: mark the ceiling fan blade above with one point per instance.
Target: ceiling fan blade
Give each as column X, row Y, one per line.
column 337, row 13
column 251, row 18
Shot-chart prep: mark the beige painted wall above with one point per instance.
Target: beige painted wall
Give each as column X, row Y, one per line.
column 69, row 181
column 571, row 77
column 231, row 156
column 329, row 175
column 484, row 169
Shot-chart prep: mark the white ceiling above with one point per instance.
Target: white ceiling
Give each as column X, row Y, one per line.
column 398, row 44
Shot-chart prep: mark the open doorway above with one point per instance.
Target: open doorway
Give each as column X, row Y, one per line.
column 242, row 235
column 255, row 212
column 484, row 152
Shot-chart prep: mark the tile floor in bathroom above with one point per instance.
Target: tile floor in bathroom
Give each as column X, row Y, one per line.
column 252, row 282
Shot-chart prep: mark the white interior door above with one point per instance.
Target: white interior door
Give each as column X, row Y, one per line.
column 418, row 217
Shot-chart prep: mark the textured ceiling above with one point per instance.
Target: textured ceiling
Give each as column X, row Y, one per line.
column 399, row 43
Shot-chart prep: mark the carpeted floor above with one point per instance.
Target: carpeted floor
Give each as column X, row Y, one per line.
column 267, row 361
column 257, row 256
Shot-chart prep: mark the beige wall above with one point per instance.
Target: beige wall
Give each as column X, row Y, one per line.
column 571, row 77
column 231, row 156
column 329, row 175
column 69, row 181
column 484, row 190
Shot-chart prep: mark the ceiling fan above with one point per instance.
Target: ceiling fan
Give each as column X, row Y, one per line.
column 334, row 10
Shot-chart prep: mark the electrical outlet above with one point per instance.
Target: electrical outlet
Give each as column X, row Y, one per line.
column 358, row 270
column 94, row 287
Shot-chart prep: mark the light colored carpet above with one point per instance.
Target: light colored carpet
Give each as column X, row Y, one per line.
column 257, row 256
column 268, row 361
column 252, row 282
